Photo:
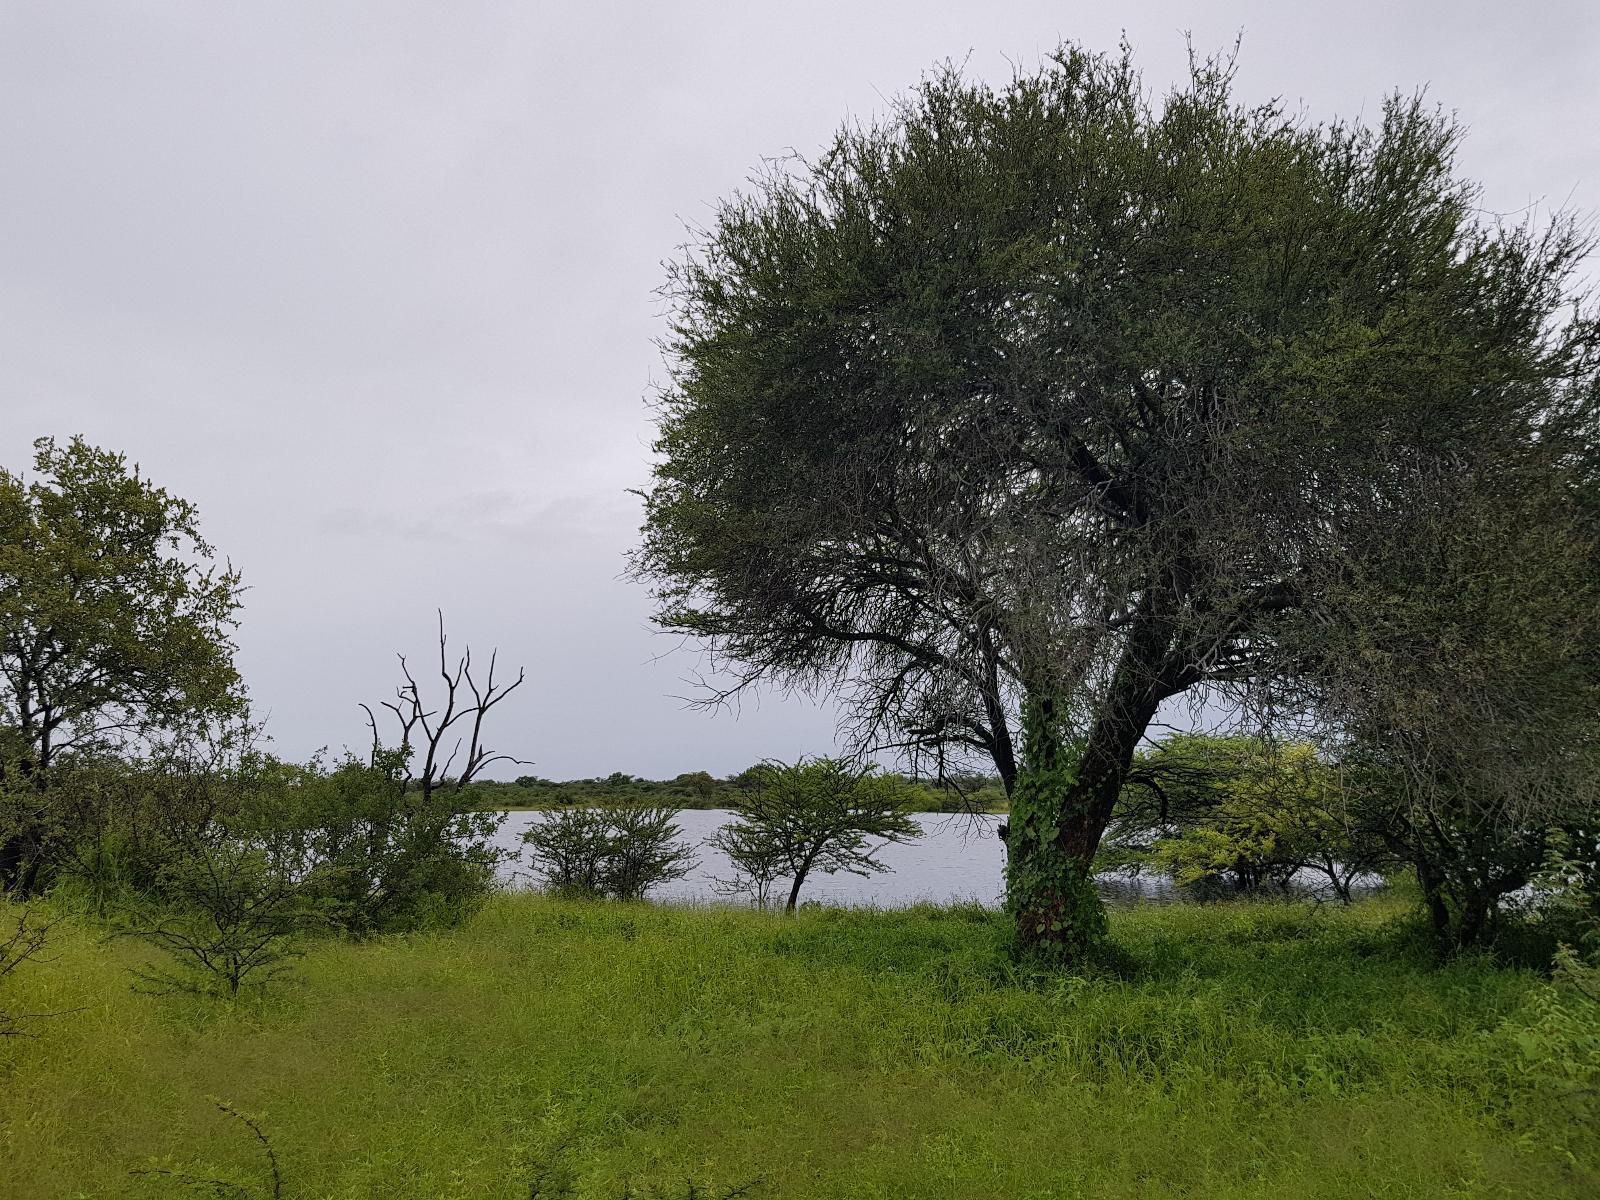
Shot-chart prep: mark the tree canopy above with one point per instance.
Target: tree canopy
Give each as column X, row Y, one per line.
column 814, row 815
column 114, row 621
column 1057, row 400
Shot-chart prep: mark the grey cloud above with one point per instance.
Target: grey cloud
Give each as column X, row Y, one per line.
column 373, row 283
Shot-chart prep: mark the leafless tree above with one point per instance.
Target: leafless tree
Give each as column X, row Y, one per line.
column 428, row 731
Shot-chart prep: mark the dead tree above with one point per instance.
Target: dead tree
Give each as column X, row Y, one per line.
column 427, row 731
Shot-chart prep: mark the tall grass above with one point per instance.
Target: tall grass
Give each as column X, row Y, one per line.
column 1243, row 1051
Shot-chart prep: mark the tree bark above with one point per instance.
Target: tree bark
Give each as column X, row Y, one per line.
column 1050, row 891
column 1063, row 802
column 799, row 879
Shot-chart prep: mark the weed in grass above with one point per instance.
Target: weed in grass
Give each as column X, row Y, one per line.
column 273, row 1186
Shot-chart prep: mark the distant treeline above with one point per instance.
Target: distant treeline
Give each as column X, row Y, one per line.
column 701, row 789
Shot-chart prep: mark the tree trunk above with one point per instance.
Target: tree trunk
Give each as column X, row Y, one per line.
column 1063, row 802
column 1050, row 891
column 799, row 879
column 1059, row 813
column 1432, row 885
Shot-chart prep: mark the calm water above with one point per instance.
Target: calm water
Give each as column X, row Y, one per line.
column 957, row 858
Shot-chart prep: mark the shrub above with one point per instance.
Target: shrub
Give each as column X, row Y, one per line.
column 233, row 912
column 620, row 851
column 381, row 857
column 1560, row 1046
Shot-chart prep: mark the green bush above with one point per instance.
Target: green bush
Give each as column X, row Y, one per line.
column 620, row 850
column 1559, row 1037
column 230, row 918
column 377, row 856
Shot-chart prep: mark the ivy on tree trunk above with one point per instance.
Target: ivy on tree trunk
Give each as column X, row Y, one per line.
column 1050, row 890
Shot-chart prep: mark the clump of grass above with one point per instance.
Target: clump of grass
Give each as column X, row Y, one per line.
column 1248, row 1050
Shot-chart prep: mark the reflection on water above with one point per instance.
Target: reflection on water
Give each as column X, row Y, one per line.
column 958, row 858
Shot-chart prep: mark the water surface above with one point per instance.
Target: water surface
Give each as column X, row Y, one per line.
column 958, row 858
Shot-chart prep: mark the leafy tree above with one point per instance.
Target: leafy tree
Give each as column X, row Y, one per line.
column 1465, row 694
column 815, row 815
column 749, row 779
column 114, row 624
column 618, row 850
column 699, row 784
column 1568, row 883
column 569, row 851
column 645, row 850
column 230, row 915
column 1240, row 813
column 1053, row 402
column 1279, row 814
column 119, row 822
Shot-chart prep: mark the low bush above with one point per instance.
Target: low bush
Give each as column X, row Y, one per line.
column 378, row 856
column 620, row 851
column 230, row 916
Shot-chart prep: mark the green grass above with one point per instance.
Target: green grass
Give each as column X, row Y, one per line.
column 1243, row 1051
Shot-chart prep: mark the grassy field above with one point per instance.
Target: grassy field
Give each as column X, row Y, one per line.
column 562, row 1049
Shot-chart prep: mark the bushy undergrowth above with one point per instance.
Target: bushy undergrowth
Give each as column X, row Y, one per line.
column 229, row 868
column 1244, row 1051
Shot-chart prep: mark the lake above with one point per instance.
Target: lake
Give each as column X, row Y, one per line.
column 957, row 858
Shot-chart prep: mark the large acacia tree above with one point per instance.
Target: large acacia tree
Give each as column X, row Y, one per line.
column 1025, row 410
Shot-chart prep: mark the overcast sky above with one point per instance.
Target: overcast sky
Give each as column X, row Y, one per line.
column 372, row 284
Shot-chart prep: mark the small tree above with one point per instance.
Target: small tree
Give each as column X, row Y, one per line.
column 1240, row 813
column 815, row 815
column 621, row 850
column 1461, row 678
column 699, row 784
column 232, row 916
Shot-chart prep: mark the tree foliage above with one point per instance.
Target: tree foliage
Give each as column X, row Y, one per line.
column 1238, row 814
column 380, row 856
column 619, row 851
column 822, row 815
column 114, row 623
column 1465, row 691
column 1061, row 393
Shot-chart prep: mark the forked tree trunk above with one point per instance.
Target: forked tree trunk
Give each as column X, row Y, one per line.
column 1060, row 808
